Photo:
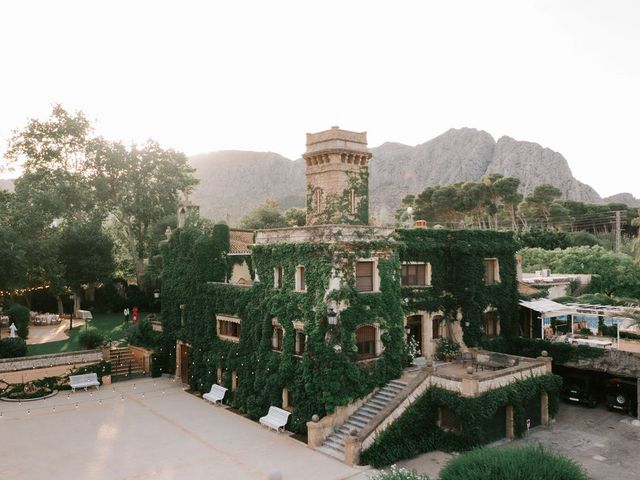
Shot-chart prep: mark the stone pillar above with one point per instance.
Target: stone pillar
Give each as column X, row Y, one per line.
column 509, row 420
column 638, row 403
column 315, row 437
column 352, row 447
column 285, row 398
column 178, row 360
column 544, row 408
column 234, row 381
column 470, row 386
column 219, row 375
column 106, row 354
column 547, row 359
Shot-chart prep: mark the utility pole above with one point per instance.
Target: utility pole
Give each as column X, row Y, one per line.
column 618, row 232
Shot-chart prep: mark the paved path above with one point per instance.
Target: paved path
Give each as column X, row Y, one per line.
column 149, row 429
column 46, row 333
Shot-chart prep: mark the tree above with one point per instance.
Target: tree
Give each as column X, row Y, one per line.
column 71, row 175
column 537, row 205
column 295, row 217
column 507, row 190
column 12, row 260
column 140, row 185
column 264, row 216
column 613, row 274
column 87, row 255
column 57, row 172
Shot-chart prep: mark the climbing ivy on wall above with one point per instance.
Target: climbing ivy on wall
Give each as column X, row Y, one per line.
column 336, row 208
column 457, row 265
column 417, row 430
column 327, row 374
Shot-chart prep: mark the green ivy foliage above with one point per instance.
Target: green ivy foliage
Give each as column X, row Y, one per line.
column 533, row 347
column 416, row 431
column 337, row 207
column 457, row 265
column 322, row 377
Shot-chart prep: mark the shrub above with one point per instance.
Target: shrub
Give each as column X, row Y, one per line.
column 396, row 473
column 19, row 315
column 524, row 463
column 447, row 349
column 90, row 338
column 12, row 348
column 143, row 335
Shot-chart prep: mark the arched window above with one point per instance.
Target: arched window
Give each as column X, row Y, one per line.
column 277, row 338
column 317, row 200
column 366, row 342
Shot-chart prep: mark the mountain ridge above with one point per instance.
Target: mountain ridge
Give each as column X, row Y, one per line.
column 396, row 170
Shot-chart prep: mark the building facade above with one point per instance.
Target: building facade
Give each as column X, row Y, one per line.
column 311, row 318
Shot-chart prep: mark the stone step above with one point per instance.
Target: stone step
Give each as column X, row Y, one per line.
column 331, row 452
column 355, row 423
column 373, row 402
column 384, row 395
column 334, row 443
column 370, row 410
column 397, row 384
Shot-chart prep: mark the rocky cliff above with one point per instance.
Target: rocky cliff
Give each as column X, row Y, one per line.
column 625, row 198
column 234, row 182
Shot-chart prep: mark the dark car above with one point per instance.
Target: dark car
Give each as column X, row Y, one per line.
column 622, row 395
column 580, row 388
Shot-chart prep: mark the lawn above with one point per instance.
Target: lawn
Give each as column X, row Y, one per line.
column 109, row 324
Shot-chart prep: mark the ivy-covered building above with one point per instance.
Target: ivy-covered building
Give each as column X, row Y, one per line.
column 311, row 318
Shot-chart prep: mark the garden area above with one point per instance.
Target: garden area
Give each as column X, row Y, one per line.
column 107, row 326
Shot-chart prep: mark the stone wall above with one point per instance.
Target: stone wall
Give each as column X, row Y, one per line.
column 43, row 361
column 26, row 369
column 615, row 362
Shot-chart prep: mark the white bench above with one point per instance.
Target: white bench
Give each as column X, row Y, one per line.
column 276, row 418
column 216, row 394
column 84, row 381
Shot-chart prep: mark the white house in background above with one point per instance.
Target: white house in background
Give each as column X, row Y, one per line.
column 557, row 284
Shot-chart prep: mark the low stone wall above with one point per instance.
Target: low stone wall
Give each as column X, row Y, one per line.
column 509, row 376
column 43, row 361
column 615, row 362
column 142, row 357
column 26, row 369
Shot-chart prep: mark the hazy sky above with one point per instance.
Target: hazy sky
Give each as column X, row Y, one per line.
column 205, row 76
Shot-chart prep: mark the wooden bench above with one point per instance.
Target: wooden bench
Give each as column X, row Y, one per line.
column 84, row 381
column 276, row 418
column 216, row 394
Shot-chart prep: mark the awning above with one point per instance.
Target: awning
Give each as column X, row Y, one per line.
column 548, row 308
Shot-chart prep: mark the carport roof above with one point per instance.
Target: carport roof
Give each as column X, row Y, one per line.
column 548, row 308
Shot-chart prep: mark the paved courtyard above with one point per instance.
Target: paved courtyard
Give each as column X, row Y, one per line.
column 605, row 443
column 149, row 428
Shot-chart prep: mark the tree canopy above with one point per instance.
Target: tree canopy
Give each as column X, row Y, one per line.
column 72, row 176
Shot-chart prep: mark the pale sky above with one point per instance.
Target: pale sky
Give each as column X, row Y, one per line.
column 257, row 75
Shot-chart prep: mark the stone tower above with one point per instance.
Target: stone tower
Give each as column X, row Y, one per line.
column 337, row 177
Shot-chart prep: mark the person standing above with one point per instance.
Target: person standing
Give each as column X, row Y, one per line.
column 126, row 314
column 134, row 318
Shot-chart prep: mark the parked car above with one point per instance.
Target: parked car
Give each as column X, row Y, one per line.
column 622, row 395
column 580, row 388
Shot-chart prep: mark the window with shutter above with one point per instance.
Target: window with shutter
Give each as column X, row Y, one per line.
column 364, row 276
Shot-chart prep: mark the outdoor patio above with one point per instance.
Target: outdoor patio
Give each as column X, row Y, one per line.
column 150, row 428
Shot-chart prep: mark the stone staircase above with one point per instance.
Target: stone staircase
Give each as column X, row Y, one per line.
column 334, row 444
column 124, row 365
